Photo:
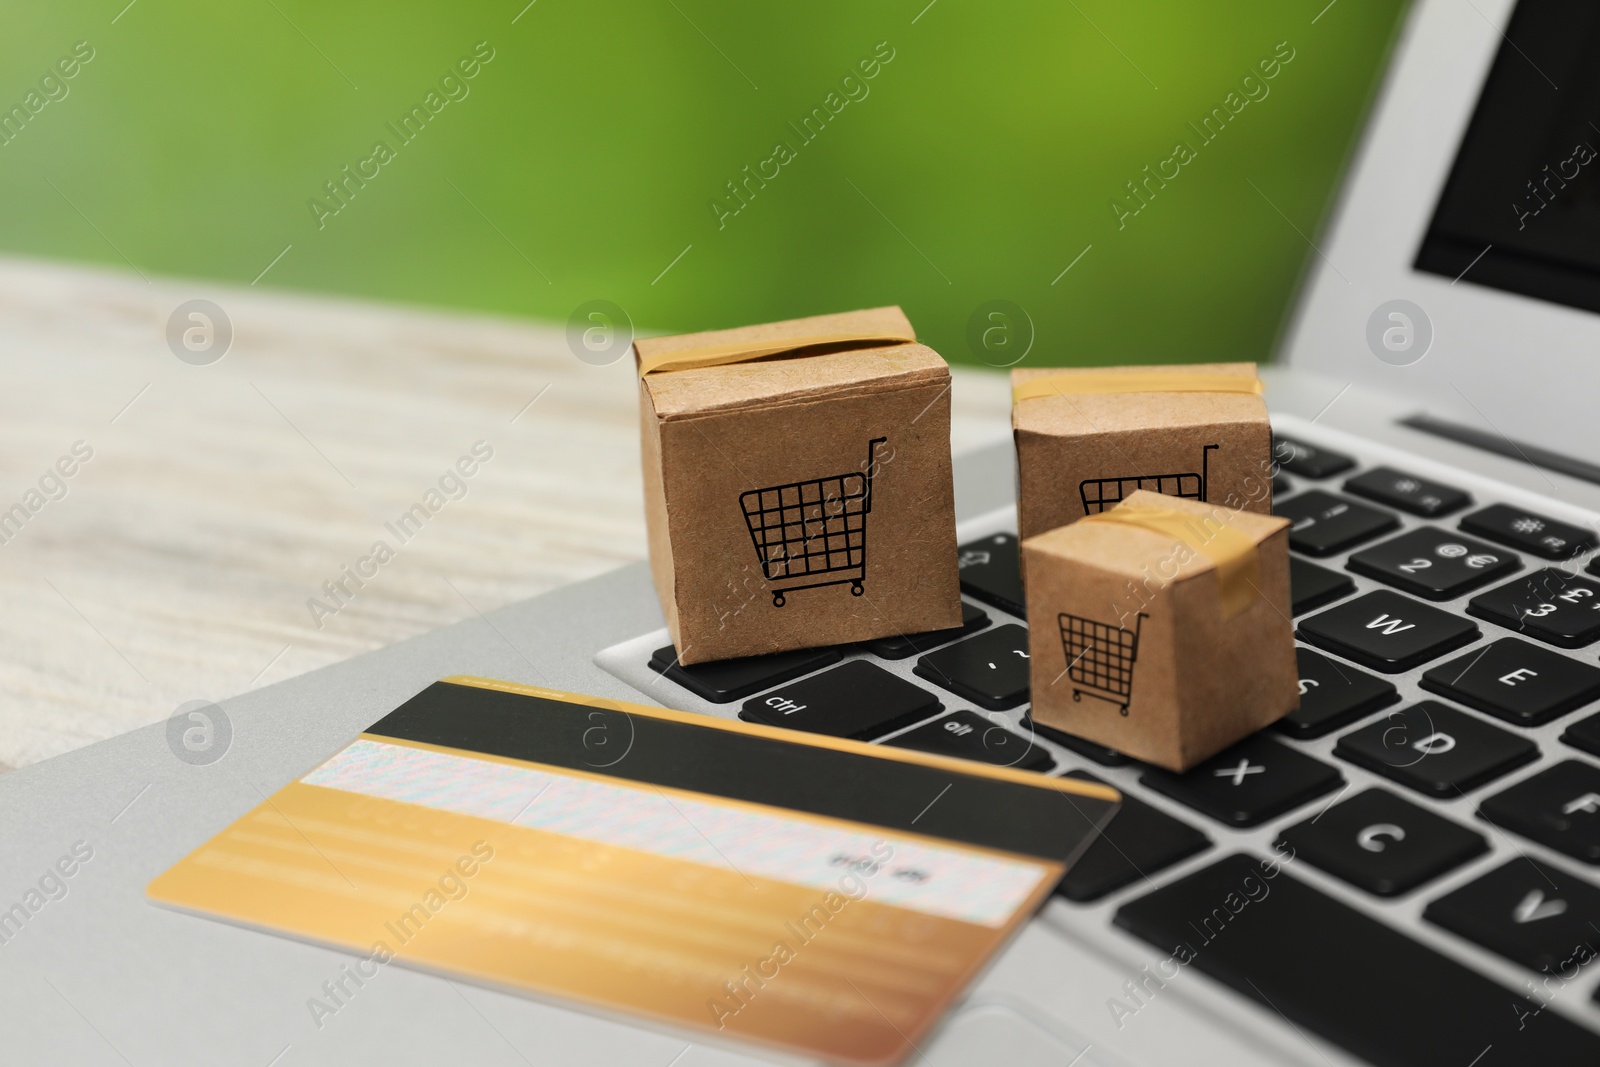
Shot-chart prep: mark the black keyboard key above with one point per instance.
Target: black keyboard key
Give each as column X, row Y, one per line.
column 1281, row 486
column 1249, row 783
column 968, row 735
column 991, row 571
column 1549, row 605
column 1522, row 529
column 1524, row 684
column 1435, row 749
column 991, row 669
column 972, row 620
column 1530, row 913
column 1333, row 695
column 1584, row 734
column 1308, row 461
column 859, row 700
column 1387, row 632
column 1432, row 563
column 1345, row 976
column 1312, row 587
column 1106, row 757
column 1558, row 807
column 1139, row 842
column 1385, row 845
column 732, row 679
column 1407, row 492
column 1324, row 524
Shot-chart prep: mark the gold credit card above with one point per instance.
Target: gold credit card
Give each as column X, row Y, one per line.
column 820, row 896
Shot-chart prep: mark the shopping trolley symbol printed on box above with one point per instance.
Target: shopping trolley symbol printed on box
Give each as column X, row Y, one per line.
column 813, row 534
column 1099, row 494
column 1100, row 658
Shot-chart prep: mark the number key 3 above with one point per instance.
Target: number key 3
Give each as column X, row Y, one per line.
column 1550, row 605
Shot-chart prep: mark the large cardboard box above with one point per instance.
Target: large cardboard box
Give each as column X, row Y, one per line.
column 1160, row 628
column 1087, row 437
column 798, row 486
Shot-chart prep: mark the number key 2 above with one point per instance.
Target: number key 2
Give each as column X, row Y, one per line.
column 1434, row 563
column 1550, row 605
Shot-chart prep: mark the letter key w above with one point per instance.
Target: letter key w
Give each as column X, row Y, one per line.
column 1389, row 626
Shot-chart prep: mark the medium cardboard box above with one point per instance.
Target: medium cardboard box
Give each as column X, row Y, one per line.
column 1160, row 628
column 1091, row 436
column 798, row 486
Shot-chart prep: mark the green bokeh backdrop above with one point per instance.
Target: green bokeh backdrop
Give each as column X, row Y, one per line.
column 983, row 160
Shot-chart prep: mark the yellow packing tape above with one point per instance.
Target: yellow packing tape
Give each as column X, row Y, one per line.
column 1155, row 381
column 1230, row 551
column 746, row 351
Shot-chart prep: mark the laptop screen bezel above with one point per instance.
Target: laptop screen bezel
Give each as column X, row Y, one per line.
column 1497, row 360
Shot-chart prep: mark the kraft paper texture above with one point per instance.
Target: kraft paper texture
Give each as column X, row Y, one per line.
column 785, row 447
column 1124, row 616
column 1078, row 453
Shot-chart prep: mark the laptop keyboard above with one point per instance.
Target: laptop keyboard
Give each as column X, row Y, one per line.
column 1429, row 832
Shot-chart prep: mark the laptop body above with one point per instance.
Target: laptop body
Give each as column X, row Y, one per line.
column 98, row 975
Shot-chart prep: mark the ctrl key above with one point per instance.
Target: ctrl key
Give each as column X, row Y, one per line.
column 858, row 700
column 1345, row 976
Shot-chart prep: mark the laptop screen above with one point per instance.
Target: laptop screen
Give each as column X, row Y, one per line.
column 1521, row 208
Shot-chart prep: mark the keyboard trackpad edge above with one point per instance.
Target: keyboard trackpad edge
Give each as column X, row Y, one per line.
column 1057, row 990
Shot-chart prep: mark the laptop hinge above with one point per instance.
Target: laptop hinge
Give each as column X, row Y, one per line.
column 1502, row 445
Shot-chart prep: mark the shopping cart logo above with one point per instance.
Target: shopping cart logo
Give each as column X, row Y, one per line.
column 1100, row 658
column 813, row 534
column 1099, row 494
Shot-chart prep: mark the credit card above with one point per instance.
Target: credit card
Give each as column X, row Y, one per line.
column 819, row 896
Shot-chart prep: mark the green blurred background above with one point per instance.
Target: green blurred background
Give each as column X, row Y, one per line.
column 585, row 159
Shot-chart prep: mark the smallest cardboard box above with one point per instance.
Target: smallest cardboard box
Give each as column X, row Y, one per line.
column 1087, row 437
column 1160, row 628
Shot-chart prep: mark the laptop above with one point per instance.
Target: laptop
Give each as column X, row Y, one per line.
column 1404, row 871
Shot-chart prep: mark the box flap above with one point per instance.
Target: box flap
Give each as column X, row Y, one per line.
column 1111, row 412
column 783, row 379
column 1137, row 553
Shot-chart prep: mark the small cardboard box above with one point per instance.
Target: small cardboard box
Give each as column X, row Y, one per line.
column 1088, row 437
column 1160, row 628
column 798, row 485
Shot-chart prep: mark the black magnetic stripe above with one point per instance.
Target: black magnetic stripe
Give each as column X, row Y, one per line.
column 845, row 785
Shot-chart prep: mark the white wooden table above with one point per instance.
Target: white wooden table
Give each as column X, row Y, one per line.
column 178, row 562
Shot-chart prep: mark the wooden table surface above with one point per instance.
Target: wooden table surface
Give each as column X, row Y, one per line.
column 177, row 561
